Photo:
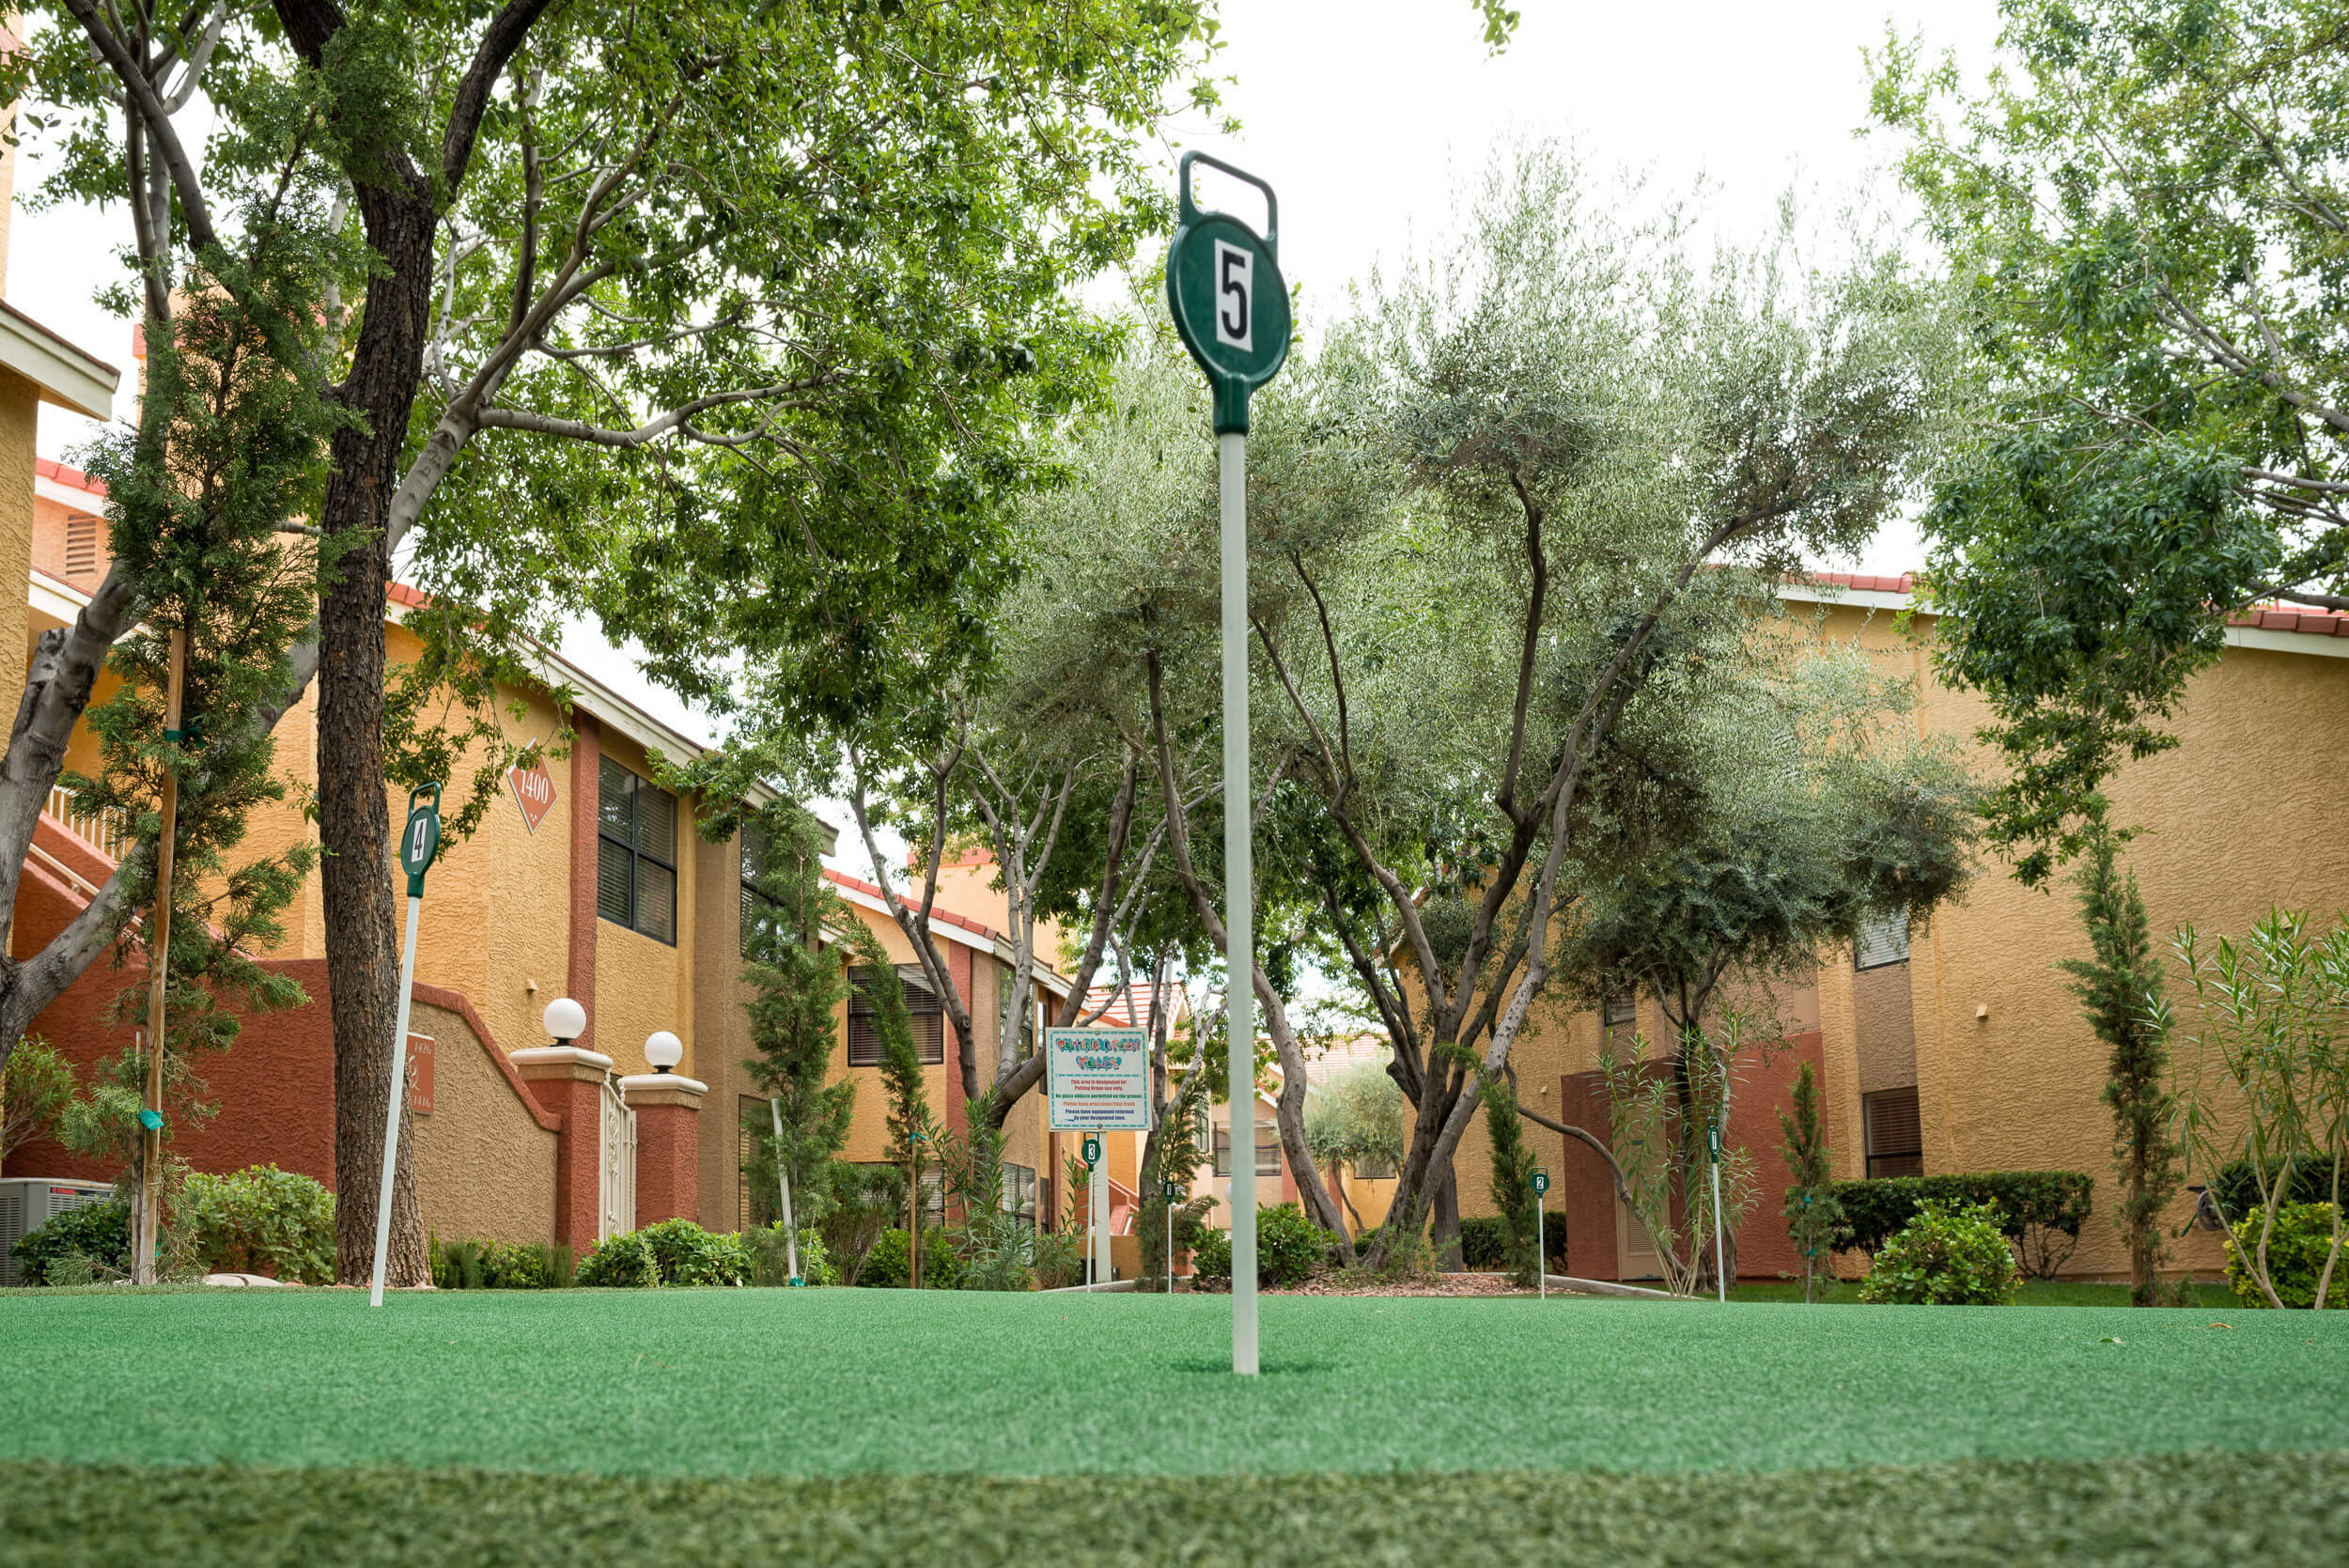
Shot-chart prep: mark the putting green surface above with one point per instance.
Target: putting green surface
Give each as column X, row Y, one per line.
column 2276, row 1511
column 812, row 1383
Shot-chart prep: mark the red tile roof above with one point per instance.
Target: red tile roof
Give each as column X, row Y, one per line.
column 65, row 475
column 858, row 884
column 2259, row 617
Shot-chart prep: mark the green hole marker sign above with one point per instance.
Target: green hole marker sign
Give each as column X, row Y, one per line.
column 420, row 840
column 1713, row 1142
column 1170, row 1192
column 1223, row 284
column 1541, row 1183
column 1092, row 1149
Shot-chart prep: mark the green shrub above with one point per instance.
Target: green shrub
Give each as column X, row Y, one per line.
column 499, row 1265
column 689, row 1255
column 1485, row 1241
column 2295, row 1257
column 97, row 1234
column 259, row 1220
column 2040, row 1211
column 624, row 1262
column 1059, row 1259
column 2238, row 1195
column 770, row 1257
column 1946, row 1255
column 1290, row 1249
column 1211, row 1254
column 885, row 1265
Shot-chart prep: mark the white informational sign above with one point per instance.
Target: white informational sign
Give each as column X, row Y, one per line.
column 1100, row 1080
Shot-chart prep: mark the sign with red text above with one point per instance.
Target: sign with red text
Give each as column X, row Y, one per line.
column 1100, row 1080
column 420, row 1073
column 534, row 791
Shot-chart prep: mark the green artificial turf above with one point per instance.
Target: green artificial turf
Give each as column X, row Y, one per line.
column 820, row 1382
column 2035, row 1293
column 2276, row 1511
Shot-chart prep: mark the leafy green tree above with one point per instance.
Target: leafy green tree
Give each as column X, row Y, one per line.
column 1512, row 1183
column 36, row 1085
column 2145, row 205
column 1357, row 1118
column 1814, row 1219
column 2122, row 994
column 641, row 304
column 912, row 1129
column 798, row 985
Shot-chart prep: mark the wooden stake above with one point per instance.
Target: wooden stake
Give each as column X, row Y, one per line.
column 158, row 976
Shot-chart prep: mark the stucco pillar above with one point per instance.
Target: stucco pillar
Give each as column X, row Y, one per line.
column 568, row 1081
column 668, row 1144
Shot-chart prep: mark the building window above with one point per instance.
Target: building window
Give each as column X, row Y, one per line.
column 923, row 1011
column 1883, row 940
column 1268, row 1148
column 1020, row 1191
column 1895, row 1133
column 1621, row 1008
column 758, row 908
column 635, row 853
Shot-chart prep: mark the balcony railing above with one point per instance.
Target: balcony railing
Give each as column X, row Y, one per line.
column 108, row 828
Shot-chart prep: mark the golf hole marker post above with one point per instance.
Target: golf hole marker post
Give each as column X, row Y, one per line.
column 419, row 840
column 1223, row 284
column 1100, row 1082
column 1713, row 1158
column 1541, row 1241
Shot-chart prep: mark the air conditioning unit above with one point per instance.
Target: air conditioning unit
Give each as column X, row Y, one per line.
column 28, row 1203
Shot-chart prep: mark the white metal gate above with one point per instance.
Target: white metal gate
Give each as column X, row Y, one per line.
column 617, row 1164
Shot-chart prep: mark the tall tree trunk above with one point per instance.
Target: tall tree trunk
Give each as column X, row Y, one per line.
column 1443, row 1232
column 355, row 817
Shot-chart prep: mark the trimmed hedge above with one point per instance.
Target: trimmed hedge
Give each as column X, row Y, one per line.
column 99, row 1233
column 1484, row 1240
column 1875, row 1211
column 259, row 1220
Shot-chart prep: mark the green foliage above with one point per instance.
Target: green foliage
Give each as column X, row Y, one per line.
column 1814, row 1216
column 1946, row 1255
column 2143, row 208
column 259, row 1220
column 2301, row 1250
column 1355, row 1118
column 103, row 1119
column 797, row 986
column 1290, row 1249
column 688, row 1255
column 770, row 1258
column 2122, row 992
column 624, row 1261
column 1658, row 1110
column 862, row 1202
column 1059, row 1259
column 1512, row 1184
column 1484, row 1242
column 2268, row 1085
column 99, row 1233
column 885, row 1265
column 2026, row 1203
column 2238, row 1191
column 1211, row 1254
column 913, row 1130
column 36, row 1085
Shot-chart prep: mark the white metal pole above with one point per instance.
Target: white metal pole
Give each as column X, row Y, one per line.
column 391, row 1115
column 1541, row 1248
column 783, row 1181
column 1170, row 1249
column 1098, row 1209
column 1719, row 1279
column 1240, row 898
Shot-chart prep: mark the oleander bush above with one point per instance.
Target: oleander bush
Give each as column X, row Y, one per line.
column 1059, row 1259
column 258, row 1221
column 885, row 1265
column 771, row 1256
column 623, row 1262
column 1485, row 1241
column 2297, row 1251
column 74, row 1247
column 2238, row 1194
column 2040, row 1211
column 1947, row 1255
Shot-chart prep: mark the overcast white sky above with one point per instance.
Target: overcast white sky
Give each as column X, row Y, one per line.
column 1363, row 115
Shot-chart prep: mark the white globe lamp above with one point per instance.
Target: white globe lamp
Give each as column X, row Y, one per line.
column 566, row 1020
column 663, row 1050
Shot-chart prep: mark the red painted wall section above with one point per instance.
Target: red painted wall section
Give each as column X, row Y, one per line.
column 1585, row 1191
column 1765, row 1252
column 574, row 1096
column 667, row 1162
column 587, row 788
